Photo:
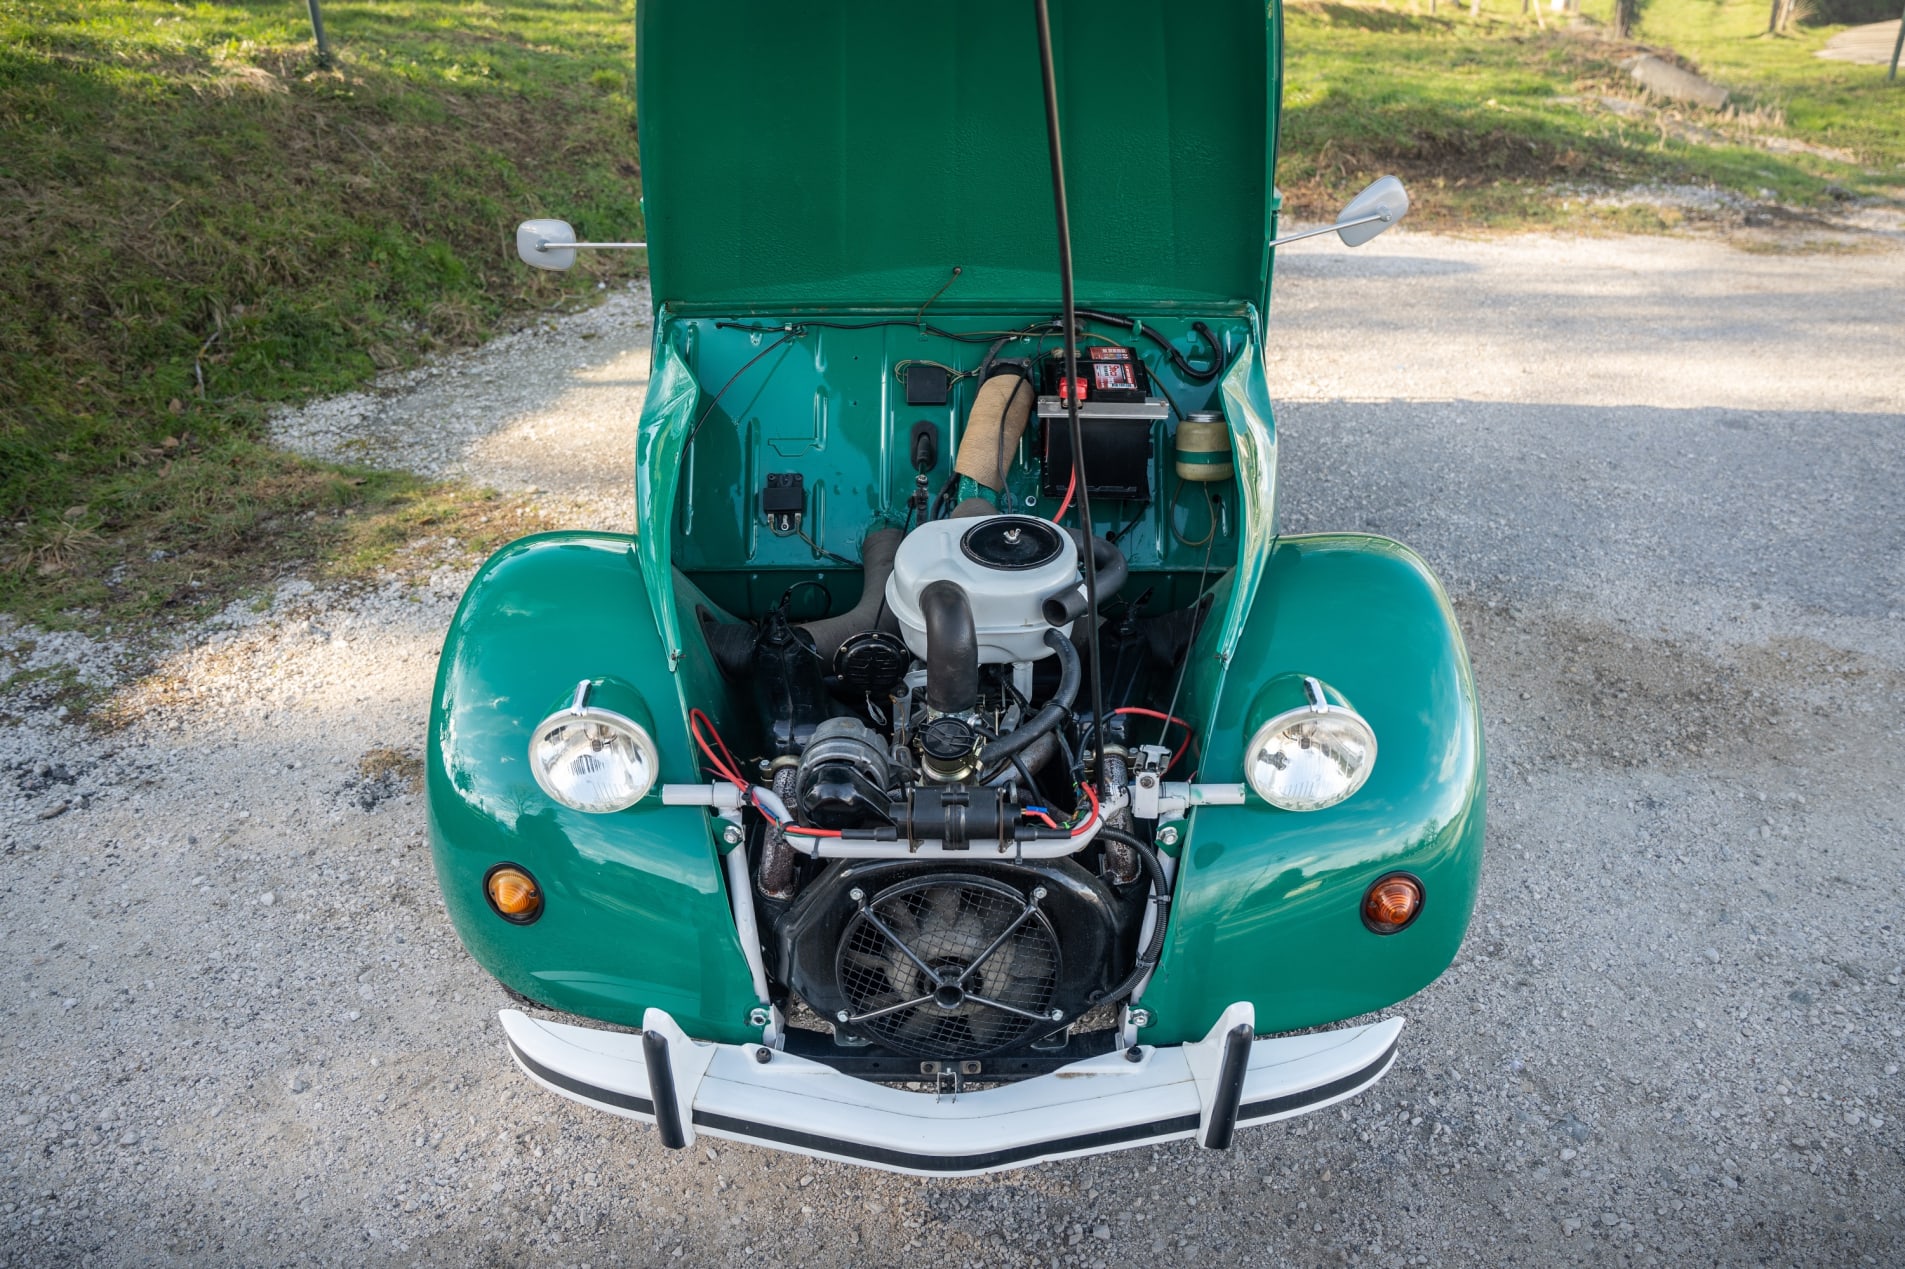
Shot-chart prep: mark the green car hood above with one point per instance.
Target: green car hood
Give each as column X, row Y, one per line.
column 851, row 155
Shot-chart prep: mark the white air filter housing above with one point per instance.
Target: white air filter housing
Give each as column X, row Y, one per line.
column 1007, row 565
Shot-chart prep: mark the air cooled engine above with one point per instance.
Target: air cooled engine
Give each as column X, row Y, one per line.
column 923, row 892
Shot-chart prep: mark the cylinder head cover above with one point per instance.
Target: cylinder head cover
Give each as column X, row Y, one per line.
column 1008, row 566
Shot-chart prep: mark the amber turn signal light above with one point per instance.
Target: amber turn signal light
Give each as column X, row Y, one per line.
column 513, row 893
column 1392, row 902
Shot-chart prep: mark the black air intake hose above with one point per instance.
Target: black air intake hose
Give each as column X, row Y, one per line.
column 1050, row 714
column 1068, row 605
column 952, row 648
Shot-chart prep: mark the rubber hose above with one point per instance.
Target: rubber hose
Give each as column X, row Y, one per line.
column 1184, row 367
column 876, row 558
column 732, row 643
column 1066, row 606
column 1050, row 714
column 1147, row 956
column 1027, row 764
column 952, row 648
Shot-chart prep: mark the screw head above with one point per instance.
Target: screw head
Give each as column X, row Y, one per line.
column 1140, row 1017
column 842, row 1016
column 1038, row 892
column 1146, row 780
column 1135, row 1053
column 732, row 834
column 1167, row 836
column 1056, row 1014
column 763, row 1055
column 758, row 1017
column 856, row 894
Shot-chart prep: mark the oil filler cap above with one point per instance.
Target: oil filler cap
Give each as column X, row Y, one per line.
column 1011, row 542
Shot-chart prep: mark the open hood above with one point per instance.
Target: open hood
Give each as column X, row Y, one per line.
column 851, row 154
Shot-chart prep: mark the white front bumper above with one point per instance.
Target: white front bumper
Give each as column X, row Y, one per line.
column 1104, row 1103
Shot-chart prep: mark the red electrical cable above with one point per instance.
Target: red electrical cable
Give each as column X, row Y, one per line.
column 1071, row 487
column 1163, row 718
column 730, row 770
column 1091, row 819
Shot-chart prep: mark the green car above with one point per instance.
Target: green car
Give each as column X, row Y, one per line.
column 956, row 769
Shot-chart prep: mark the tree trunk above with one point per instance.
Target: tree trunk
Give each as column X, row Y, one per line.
column 1624, row 13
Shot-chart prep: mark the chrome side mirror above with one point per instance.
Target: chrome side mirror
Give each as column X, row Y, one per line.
column 1379, row 206
column 551, row 244
column 544, row 243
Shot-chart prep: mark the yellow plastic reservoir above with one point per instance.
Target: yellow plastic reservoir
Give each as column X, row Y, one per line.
column 1203, row 447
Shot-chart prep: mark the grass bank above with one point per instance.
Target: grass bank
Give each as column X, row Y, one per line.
column 203, row 223
column 1487, row 116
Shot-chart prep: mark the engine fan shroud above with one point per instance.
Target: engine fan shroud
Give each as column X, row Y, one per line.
column 1093, row 928
column 950, row 966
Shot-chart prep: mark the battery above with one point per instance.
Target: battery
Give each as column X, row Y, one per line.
column 1106, row 372
column 1118, row 437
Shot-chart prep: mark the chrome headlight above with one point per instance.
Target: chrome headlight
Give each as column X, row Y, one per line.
column 593, row 759
column 1310, row 757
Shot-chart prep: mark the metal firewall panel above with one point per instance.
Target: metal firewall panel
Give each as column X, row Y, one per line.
column 636, row 911
column 852, row 153
column 1268, row 901
column 829, row 405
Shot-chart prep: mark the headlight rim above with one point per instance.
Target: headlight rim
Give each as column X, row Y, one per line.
column 582, row 712
column 1315, row 707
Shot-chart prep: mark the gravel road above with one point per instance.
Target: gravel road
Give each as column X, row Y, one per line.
column 1661, row 477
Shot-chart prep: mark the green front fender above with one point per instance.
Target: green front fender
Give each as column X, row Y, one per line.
column 636, row 908
column 1268, row 902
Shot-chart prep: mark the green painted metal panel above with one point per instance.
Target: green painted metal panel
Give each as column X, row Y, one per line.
column 637, row 910
column 829, row 406
column 851, row 154
column 1268, row 901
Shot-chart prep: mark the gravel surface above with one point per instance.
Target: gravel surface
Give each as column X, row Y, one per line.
column 1661, row 478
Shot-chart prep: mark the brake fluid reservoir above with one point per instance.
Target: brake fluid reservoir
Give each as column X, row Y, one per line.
column 1203, row 447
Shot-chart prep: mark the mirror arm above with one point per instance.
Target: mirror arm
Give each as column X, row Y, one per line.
column 1328, row 229
column 543, row 244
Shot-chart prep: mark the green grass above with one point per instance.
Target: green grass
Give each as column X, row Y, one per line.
column 1847, row 107
column 1487, row 117
column 203, row 223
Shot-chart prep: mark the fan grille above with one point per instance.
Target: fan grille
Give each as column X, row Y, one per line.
column 949, row 967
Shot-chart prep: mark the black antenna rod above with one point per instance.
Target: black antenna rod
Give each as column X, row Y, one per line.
column 1071, row 380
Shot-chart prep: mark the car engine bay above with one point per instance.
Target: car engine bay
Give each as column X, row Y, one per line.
column 951, row 862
